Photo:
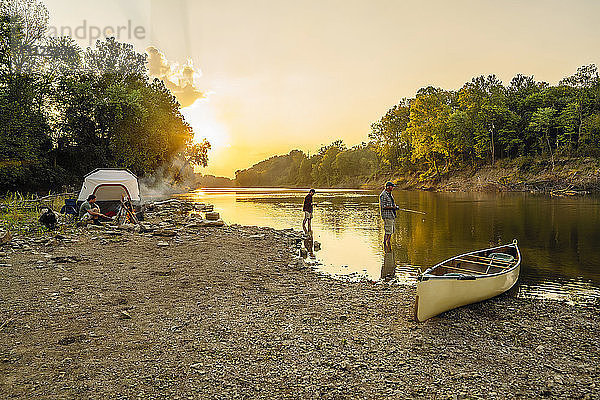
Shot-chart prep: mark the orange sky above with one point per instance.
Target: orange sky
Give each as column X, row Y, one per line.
column 297, row 74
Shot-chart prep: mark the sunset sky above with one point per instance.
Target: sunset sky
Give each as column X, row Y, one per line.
column 278, row 75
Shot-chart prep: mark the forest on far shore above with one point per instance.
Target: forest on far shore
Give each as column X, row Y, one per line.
column 440, row 131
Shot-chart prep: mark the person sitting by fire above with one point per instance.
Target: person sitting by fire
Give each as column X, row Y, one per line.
column 90, row 211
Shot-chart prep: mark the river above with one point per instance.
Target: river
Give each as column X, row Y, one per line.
column 559, row 237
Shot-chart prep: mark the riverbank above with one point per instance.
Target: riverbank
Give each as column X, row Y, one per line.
column 525, row 174
column 230, row 312
column 569, row 176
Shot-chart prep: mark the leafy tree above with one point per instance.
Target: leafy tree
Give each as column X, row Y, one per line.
column 28, row 22
column 197, row 153
column 296, row 159
column 304, row 171
column 584, row 95
column 541, row 122
column 325, row 171
column 570, row 124
column 112, row 57
column 586, row 77
column 359, row 161
column 429, row 127
column 590, row 135
column 390, row 137
column 484, row 101
column 461, row 130
column 64, row 55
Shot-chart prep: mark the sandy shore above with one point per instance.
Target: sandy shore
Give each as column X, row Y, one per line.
column 227, row 312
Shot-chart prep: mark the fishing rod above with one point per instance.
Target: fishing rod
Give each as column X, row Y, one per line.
column 412, row 211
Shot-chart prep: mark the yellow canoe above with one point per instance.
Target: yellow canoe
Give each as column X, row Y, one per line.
column 466, row 279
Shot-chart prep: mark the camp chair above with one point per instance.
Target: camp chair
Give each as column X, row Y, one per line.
column 70, row 208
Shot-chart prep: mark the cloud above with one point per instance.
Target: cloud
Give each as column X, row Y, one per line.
column 181, row 80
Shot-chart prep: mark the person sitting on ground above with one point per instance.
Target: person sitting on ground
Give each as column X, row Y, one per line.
column 90, row 211
column 308, row 211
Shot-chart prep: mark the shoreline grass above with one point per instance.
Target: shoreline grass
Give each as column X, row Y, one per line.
column 19, row 212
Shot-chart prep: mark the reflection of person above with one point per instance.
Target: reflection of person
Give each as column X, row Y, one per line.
column 89, row 210
column 308, row 212
column 388, row 212
column 309, row 245
column 388, row 268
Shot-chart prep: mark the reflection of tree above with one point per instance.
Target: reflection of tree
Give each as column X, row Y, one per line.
column 557, row 236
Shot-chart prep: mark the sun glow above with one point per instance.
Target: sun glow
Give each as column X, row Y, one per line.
column 203, row 120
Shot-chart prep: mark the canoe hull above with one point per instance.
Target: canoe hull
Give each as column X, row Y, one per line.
column 436, row 294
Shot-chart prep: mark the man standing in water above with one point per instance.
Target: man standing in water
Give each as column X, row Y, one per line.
column 388, row 213
column 308, row 210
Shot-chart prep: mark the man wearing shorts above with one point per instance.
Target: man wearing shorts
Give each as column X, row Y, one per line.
column 388, row 213
column 308, row 210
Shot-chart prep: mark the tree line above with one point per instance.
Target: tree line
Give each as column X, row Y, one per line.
column 65, row 111
column 332, row 165
column 440, row 131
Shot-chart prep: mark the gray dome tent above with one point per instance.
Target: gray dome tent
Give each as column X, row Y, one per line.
column 109, row 185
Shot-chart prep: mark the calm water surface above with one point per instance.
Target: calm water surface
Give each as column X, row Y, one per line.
column 559, row 237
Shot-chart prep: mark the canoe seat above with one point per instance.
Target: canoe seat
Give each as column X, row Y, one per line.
column 502, row 257
column 464, row 277
column 506, row 258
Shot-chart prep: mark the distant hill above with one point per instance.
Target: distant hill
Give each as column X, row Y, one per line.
column 213, row 181
column 333, row 165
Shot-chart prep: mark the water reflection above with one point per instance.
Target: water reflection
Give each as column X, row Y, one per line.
column 559, row 237
column 388, row 267
column 309, row 245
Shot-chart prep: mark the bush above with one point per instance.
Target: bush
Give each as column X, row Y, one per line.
column 524, row 163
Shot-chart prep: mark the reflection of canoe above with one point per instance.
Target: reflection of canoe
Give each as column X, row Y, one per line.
column 467, row 278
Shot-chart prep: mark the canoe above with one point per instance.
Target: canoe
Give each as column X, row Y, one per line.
column 467, row 278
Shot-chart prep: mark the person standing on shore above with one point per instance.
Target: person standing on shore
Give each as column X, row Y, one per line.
column 388, row 213
column 308, row 212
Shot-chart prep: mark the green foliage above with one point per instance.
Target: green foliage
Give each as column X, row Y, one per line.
column 590, row 135
column 429, row 127
column 197, row 153
column 541, row 122
column 112, row 57
column 66, row 114
column 485, row 121
column 332, row 165
column 325, row 172
column 390, row 138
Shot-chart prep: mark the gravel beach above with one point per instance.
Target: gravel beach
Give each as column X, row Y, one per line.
column 230, row 312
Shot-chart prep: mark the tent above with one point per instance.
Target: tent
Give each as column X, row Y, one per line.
column 109, row 185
